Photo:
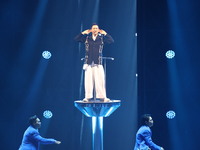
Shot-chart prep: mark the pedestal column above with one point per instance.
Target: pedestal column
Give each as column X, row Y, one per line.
column 97, row 110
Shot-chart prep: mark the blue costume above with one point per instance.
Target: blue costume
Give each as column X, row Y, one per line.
column 144, row 141
column 32, row 139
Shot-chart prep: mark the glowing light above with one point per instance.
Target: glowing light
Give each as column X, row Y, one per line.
column 47, row 114
column 170, row 114
column 97, row 122
column 46, row 54
column 94, row 124
column 170, row 54
column 135, row 34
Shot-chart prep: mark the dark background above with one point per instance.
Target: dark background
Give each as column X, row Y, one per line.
column 30, row 84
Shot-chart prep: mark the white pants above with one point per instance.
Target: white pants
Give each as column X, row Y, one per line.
column 95, row 79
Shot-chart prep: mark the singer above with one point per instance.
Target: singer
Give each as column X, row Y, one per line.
column 94, row 40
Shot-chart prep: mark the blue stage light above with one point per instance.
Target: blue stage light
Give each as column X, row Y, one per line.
column 47, row 114
column 170, row 54
column 46, row 54
column 170, row 114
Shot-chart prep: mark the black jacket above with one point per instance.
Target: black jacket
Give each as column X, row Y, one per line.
column 94, row 48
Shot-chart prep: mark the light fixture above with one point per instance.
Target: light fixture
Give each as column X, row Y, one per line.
column 46, row 54
column 170, row 54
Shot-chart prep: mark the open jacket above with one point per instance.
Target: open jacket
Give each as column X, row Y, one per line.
column 94, row 48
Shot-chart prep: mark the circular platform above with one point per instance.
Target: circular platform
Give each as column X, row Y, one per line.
column 97, row 108
column 98, row 101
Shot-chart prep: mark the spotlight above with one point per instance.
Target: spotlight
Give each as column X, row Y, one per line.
column 46, row 54
column 47, row 114
column 170, row 114
column 170, row 54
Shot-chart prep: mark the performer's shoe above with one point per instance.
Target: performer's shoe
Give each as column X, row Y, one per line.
column 107, row 100
column 85, row 100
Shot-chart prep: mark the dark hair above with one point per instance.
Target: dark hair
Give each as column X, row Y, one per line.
column 32, row 120
column 145, row 118
column 94, row 25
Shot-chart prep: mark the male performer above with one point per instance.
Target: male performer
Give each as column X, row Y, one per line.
column 94, row 40
column 32, row 138
column 143, row 136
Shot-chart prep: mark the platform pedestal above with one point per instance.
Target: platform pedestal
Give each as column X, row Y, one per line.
column 97, row 110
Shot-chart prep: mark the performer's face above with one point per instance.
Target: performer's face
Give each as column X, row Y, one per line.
column 95, row 29
column 37, row 123
column 150, row 122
